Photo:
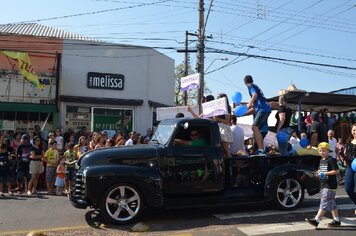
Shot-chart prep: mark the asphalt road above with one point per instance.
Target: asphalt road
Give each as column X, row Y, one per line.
column 54, row 215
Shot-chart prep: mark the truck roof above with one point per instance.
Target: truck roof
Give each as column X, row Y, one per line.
column 203, row 121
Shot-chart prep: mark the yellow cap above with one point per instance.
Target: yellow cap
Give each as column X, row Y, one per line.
column 324, row 145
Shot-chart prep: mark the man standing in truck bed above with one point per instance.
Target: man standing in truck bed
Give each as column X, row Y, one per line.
column 262, row 110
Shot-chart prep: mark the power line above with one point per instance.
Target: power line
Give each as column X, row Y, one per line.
column 307, row 20
column 94, row 12
column 284, row 50
column 286, row 19
column 343, row 74
column 285, row 13
column 213, row 50
column 272, row 46
column 311, row 26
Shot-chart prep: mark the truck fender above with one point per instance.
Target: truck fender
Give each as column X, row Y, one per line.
column 147, row 180
column 303, row 174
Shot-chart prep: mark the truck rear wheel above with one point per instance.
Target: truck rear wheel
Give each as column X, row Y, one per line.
column 122, row 204
column 289, row 194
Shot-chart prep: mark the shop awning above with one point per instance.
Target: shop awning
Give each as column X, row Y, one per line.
column 27, row 107
column 157, row 104
column 104, row 101
column 333, row 102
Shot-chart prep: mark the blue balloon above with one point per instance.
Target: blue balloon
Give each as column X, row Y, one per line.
column 282, row 137
column 353, row 165
column 240, row 110
column 237, row 97
column 322, row 175
column 304, row 142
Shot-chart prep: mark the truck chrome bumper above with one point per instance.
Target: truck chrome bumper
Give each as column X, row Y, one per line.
column 78, row 203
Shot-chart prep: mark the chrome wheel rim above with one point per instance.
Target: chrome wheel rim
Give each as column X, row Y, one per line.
column 123, row 203
column 289, row 193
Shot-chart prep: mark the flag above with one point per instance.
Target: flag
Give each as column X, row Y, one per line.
column 25, row 67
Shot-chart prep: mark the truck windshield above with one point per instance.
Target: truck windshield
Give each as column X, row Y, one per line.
column 163, row 133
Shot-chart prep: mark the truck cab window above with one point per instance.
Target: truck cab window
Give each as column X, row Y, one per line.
column 191, row 137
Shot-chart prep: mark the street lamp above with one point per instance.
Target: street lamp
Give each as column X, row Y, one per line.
column 220, row 58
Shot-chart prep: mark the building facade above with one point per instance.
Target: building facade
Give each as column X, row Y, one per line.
column 63, row 80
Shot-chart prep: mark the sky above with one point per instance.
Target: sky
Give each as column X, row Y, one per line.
column 272, row 35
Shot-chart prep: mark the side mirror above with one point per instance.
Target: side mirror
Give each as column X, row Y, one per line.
column 186, row 125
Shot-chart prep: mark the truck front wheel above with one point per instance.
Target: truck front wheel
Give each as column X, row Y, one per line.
column 122, row 204
column 289, row 194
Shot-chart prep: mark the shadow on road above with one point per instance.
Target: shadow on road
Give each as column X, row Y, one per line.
column 161, row 220
column 23, row 197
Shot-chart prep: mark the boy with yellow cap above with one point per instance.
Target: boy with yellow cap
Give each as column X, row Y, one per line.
column 328, row 170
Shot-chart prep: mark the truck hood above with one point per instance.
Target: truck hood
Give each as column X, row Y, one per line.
column 139, row 155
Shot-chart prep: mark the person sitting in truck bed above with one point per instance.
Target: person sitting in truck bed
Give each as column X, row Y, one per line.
column 196, row 140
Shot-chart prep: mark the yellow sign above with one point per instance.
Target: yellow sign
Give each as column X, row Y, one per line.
column 25, row 67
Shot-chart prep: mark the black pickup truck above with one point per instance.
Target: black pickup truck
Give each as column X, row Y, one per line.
column 122, row 181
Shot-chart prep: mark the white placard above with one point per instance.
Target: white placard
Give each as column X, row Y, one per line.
column 190, row 82
column 170, row 112
column 215, row 107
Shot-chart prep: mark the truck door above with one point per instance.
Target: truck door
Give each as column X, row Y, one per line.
column 194, row 169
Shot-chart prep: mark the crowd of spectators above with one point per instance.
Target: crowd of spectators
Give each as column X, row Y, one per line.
column 28, row 160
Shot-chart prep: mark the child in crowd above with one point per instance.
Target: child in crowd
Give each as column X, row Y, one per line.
column 5, row 173
column 341, row 160
column 51, row 157
column 23, row 163
column 60, row 176
column 333, row 143
column 328, row 170
column 60, row 141
column 70, row 159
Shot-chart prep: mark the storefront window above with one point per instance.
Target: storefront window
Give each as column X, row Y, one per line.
column 22, row 121
column 77, row 117
column 113, row 119
column 110, row 120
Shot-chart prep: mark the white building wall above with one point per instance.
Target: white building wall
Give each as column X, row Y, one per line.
column 161, row 89
column 149, row 75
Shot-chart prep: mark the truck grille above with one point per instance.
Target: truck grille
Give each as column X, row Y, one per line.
column 78, row 191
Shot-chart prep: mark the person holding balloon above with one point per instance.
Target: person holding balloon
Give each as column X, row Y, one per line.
column 283, row 129
column 262, row 110
column 350, row 175
column 224, row 127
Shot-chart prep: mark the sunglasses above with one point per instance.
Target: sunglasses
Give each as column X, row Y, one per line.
column 194, row 134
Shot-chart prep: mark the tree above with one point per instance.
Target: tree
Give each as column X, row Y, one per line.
column 192, row 95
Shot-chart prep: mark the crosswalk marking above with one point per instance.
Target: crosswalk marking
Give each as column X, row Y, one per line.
column 317, row 196
column 276, row 212
column 273, row 228
column 290, row 227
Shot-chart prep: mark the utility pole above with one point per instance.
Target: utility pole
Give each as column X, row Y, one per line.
column 186, row 63
column 200, row 53
column 201, row 49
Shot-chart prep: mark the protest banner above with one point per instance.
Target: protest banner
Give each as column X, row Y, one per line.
column 215, row 108
column 190, row 82
column 170, row 112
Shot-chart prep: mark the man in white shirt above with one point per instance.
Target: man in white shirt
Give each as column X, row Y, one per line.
column 332, row 142
column 238, row 138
